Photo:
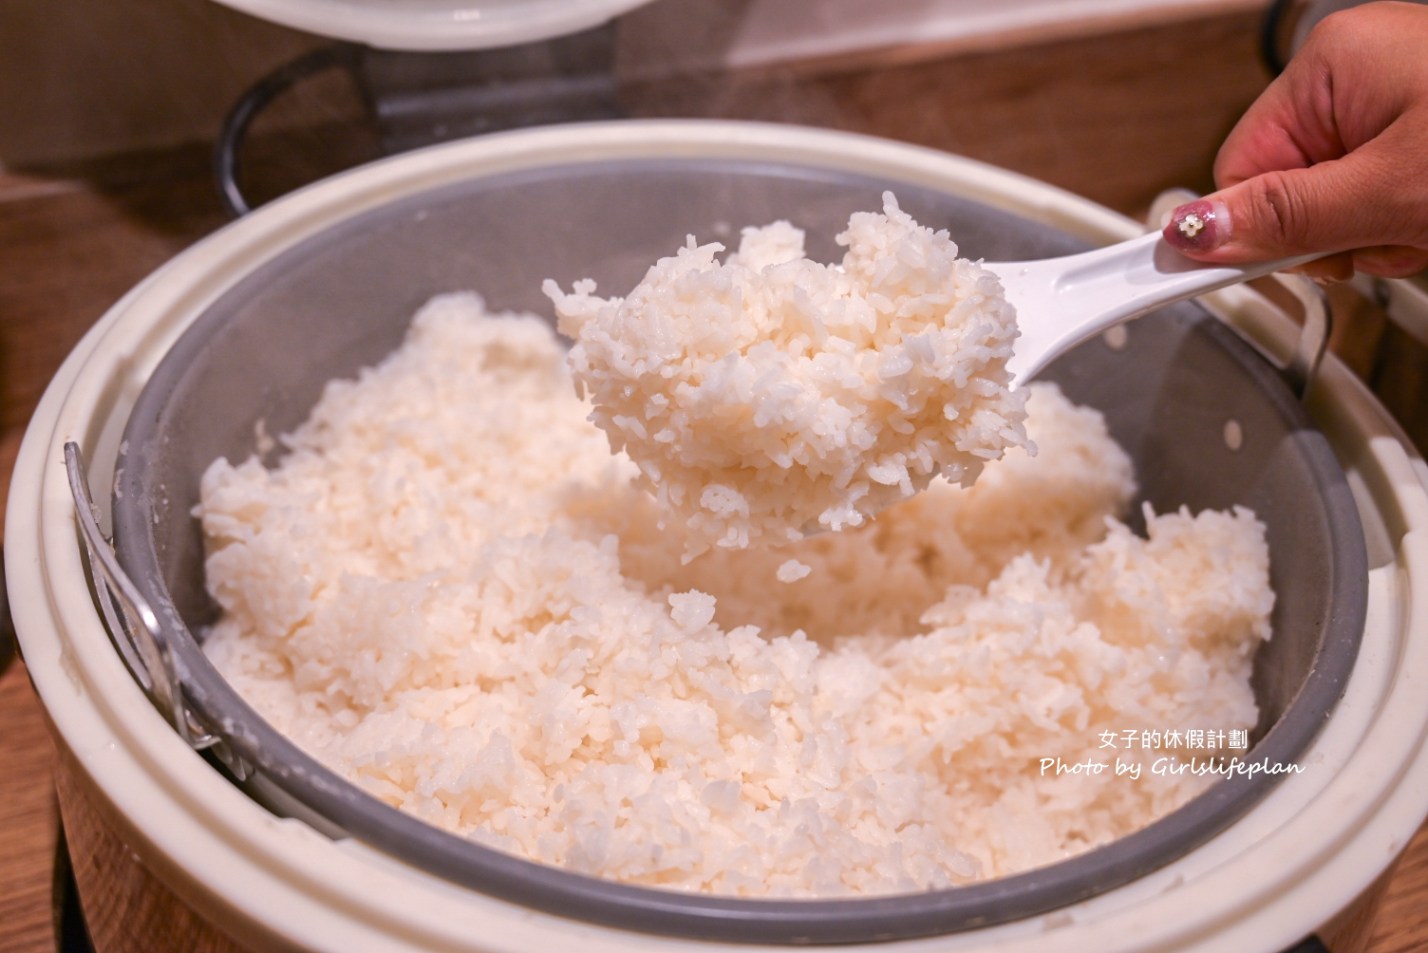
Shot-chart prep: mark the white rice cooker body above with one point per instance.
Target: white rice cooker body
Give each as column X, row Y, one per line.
column 1304, row 853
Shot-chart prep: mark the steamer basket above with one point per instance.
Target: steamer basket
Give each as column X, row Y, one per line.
column 249, row 325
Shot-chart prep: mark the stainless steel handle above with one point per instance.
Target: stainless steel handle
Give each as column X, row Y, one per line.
column 1316, row 323
column 132, row 625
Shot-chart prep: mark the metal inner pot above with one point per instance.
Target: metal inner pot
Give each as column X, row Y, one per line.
column 341, row 300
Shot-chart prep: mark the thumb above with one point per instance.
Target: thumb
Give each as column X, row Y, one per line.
column 1333, row 206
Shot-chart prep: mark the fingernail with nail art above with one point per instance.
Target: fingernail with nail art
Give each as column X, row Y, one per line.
column 1198, row 226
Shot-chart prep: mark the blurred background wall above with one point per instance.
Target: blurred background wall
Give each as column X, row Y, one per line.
column 87, row 78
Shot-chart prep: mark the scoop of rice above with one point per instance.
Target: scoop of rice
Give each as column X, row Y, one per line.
column 768, row 396
column 451, row 593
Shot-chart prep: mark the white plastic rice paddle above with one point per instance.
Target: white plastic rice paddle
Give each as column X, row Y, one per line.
column 1061, row 302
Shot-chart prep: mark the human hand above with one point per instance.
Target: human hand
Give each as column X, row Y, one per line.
column 1332, row 158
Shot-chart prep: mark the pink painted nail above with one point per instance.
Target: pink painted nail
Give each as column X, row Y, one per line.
column 1198, row 226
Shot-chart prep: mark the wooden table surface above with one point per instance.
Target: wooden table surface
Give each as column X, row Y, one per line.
column 1092, row 114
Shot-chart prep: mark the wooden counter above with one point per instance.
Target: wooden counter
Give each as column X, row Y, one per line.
column 1116, row 118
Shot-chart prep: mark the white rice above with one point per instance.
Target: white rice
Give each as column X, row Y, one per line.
column 452, row 593
column 769, row 396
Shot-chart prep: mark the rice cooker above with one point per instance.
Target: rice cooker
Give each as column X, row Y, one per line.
column 212, row 828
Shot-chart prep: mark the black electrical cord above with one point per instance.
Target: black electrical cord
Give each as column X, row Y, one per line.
column 255, row 100
column 1271, row 36
column 7, row 624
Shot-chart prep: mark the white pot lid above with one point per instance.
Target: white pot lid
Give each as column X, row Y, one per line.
column 437, row 24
